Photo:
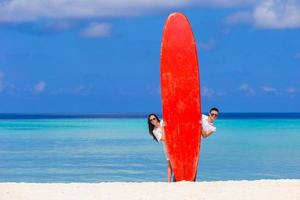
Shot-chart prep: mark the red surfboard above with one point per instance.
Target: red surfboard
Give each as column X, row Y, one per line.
column 181, row 103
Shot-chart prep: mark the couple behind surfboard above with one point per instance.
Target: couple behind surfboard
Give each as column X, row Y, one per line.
column 181, row 101
column 156, row 130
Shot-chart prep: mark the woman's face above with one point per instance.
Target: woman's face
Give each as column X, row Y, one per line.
column 153, row 119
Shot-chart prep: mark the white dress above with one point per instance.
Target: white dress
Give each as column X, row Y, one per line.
column 158, row 133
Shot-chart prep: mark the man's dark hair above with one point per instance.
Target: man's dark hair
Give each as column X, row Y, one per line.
column 215, row 109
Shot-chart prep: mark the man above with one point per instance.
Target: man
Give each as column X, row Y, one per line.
column 208, row 126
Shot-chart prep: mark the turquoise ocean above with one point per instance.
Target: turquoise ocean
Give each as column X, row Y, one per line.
column 41, row 148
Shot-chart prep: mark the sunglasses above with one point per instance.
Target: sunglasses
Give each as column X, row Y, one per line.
column 152, row 119
column 214, row 114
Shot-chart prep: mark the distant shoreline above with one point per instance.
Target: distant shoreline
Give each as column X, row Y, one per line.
column 12, row 116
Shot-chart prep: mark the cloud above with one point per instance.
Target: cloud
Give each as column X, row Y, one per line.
column 247, row 89
column 266, row 14
column 40, row 28
column 59, row 26
column 207, row 92
column 277, row 14
column 297, row 56
column 40, row 87
column 268, row 89
column 271, row 90
column 33, row 10
column 207, row 46
column 224, row 3
column 20, row 10
column 96, row 30
column 241, row 17
column 82, row 90
column 2, row 84
column 270, row 14
column 292, row 90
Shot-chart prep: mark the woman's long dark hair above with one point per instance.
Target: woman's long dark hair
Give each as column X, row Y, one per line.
column 151, row 126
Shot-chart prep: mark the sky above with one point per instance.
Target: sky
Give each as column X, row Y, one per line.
column 92, row 56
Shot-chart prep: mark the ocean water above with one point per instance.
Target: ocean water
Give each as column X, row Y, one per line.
column 112, row 149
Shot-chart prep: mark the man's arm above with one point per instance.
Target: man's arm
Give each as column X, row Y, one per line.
column 205, row 134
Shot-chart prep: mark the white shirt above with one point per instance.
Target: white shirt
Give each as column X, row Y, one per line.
column 206, row 125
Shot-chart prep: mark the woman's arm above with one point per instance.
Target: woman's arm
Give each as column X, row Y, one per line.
column 163, row 124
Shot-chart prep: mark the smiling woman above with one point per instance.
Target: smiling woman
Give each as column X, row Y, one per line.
column 156, row 130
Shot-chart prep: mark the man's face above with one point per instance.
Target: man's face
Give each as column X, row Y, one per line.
column 213, row 114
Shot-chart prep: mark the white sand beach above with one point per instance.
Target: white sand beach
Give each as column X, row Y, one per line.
column 241, row 190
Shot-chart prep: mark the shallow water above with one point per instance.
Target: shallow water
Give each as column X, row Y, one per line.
column 114, row 149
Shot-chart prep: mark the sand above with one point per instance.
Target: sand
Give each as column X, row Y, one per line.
column 223, row 190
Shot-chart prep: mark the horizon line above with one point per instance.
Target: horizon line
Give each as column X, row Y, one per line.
column 224, row 115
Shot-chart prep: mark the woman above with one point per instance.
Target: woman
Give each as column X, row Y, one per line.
column 156, row 130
